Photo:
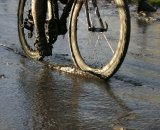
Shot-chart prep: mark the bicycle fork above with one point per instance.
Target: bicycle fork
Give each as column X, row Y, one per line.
column 103, row 25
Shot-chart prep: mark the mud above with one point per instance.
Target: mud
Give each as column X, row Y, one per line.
column 55, row 95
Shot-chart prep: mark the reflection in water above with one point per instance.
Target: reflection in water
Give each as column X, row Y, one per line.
column 143, row 35
column 52, row 105
column 142, row 26
column 70, row 103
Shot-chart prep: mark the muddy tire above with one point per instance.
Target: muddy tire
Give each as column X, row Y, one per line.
column 95, row 49
column 26, row 35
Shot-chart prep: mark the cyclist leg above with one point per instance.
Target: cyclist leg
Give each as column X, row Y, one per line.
column 39, row 9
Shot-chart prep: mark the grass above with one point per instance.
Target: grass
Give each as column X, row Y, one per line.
column 154, row 2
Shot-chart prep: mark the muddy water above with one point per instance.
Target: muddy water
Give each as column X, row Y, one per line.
column 36, row 95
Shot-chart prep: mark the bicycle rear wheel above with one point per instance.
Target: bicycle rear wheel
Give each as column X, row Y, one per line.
column 99, row 35
column 26, row 29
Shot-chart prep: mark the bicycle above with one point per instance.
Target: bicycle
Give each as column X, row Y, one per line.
column 99, row 33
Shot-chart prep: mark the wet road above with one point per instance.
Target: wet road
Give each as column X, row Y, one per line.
column 36, row 96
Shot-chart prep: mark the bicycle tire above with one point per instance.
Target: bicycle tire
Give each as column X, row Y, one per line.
column 80, row 39
column 27, row 43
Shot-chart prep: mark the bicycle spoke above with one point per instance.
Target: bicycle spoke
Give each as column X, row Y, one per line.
column 108, row 43
column 94, row 50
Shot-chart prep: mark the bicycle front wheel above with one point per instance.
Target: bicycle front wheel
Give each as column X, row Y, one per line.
column 99, row 35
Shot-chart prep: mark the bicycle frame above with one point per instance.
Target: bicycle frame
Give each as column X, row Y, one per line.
column 53, row 14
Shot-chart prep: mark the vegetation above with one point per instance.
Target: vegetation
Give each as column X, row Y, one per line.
column 152, row 2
